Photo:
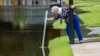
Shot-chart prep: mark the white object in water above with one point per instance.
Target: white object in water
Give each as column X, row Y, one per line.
column 44, row 32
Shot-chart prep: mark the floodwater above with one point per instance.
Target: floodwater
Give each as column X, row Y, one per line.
column 24, row 42
column 14, row 42
column 21, row 31
column 19, row 34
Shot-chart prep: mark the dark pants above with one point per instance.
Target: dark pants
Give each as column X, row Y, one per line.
column 76, row 27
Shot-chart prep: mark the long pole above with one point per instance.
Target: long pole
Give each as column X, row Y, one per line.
column 44, row 33
column 71, row 37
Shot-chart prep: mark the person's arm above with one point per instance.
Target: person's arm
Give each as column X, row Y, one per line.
column 54, row 18
column 50, row 18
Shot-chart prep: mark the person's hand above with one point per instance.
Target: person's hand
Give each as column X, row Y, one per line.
column 72, row 6
column 50, row 18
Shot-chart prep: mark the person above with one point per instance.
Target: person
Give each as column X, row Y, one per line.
column 63, row 12
column 64, row 4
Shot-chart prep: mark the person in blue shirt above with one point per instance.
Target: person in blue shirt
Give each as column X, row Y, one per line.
column 63, row 12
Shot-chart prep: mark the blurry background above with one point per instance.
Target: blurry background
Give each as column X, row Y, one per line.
column 21, row 25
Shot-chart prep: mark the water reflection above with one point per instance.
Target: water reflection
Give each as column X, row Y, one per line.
column 20, row 43
column 19, row 33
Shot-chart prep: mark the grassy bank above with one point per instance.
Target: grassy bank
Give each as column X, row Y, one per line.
column 60, row 47
column 91, row 18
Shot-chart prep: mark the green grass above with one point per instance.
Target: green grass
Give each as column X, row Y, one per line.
column 60, row 47
column 58, row 25
column 91, row 18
